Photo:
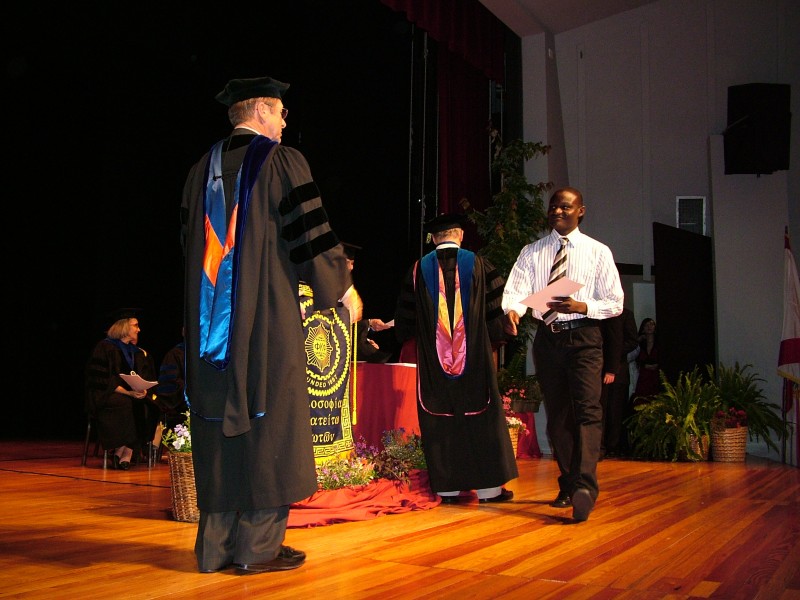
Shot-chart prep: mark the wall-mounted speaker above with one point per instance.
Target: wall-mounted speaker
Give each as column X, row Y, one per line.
column 756, row 139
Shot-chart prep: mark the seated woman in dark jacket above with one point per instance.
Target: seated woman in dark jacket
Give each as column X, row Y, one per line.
column 126, row 418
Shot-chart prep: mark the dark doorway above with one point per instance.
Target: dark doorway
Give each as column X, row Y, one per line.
column 684, row 300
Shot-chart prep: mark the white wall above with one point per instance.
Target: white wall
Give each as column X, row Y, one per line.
column 749, row 271
column 642, row 104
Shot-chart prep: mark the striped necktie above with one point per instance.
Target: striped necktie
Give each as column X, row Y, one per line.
column 557, row 271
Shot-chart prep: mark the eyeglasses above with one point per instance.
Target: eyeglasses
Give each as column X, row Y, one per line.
column 284, row 110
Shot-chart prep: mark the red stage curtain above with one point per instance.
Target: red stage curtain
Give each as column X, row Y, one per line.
column 464, row 152
column 471, row 53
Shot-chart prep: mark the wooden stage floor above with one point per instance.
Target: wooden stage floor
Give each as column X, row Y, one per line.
column 659, row 531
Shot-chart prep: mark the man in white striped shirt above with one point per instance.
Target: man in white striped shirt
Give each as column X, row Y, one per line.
column 568, row 353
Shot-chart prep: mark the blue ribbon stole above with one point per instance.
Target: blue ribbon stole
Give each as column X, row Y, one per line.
column 221, row 256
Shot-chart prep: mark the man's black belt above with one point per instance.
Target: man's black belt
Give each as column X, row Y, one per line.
column 560, row 326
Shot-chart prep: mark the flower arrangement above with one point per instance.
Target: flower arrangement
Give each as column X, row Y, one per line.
column 512, row 421
column 401, row 454
column 521, row 393
column 515, row 423
column 344, row 472
column 180, row 438
column 729, row 420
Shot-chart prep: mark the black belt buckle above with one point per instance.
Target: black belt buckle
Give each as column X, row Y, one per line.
column 556, row 327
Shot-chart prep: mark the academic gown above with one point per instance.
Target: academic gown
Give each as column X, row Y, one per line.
column 251, row 431
column 366, row 351
column 171, row 385
column 462, row 451
column 121, row 419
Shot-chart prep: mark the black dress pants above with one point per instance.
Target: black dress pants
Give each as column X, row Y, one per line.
column 569, row 369
column 246, row 537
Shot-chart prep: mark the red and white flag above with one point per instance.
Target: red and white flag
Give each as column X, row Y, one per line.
column 789, row 356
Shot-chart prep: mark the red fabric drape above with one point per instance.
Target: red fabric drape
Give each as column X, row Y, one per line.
column 381, row 497
column 463, row 139
column 471, row 52
column 528, row 442
column 387, row 395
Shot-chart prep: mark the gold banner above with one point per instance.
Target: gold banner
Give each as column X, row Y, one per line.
column 328, row 346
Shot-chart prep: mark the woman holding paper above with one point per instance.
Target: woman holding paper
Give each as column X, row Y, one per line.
column 125, row 416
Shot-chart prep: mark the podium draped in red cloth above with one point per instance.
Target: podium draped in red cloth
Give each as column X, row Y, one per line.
column 386, row 399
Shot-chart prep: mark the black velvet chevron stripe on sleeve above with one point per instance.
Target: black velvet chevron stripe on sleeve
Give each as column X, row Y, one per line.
column 494, row 292
column 494, row 313
column 299, row 195
column 303, row 223
column 311, row 249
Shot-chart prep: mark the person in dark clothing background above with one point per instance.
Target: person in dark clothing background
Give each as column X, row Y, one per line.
column 648, row 383
column 170, row 395
column 366, row 348
column 619, row 339
column 126, row 419
column 254, row 226
column 450, row 305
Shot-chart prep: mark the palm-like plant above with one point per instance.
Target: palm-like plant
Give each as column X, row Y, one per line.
column 515, row 218
column 740, row 389
column 664, row 427
column 517, row 214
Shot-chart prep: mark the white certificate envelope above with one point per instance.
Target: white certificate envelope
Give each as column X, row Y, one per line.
column 561, row 287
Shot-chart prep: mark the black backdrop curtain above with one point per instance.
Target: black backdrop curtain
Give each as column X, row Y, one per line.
column 466, row 28
column 470, row 59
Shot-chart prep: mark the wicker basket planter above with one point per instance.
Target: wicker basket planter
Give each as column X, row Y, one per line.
column 513, row 433
column 729, row 445
column 184, row 493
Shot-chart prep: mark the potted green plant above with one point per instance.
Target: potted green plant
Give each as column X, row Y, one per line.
column 181, row 471
column 676, row 423
column 515, row 217
column 739, row 390
column 521, row 392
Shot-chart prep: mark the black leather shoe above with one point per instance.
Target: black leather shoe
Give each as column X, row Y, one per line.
column 562, row 500
column 582, row 504
column 124, row 465
column 504, row 496
column 218, row 569
column 114, row 462
column 288, row 558
column 450, row 499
